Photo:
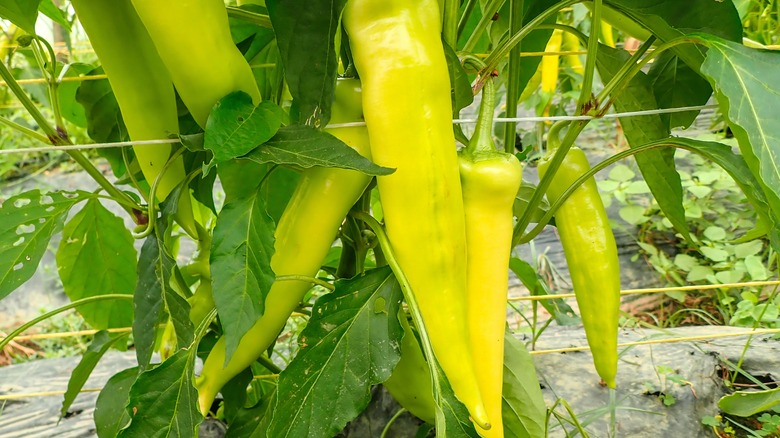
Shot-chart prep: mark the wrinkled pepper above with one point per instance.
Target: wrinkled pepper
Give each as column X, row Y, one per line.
column 304, row 235
column 591, row 254
column 398, row 53
column 143, row 90
column 490, row 179
column 410, row 384
column 193, row 39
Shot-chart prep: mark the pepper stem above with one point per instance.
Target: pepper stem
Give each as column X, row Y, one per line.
column 482, row 140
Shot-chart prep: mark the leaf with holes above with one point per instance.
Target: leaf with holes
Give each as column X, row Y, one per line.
column 96, row 257
column 241, row 265
column 27, row 223
column 164, row 402
column 307, row 147
column 235, row 126
column 350, row 343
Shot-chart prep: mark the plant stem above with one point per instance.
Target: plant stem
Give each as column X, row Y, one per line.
column 411, row 301
column 464, row 19
column 501, row 51
column 450, row 23
column 19, row 330
column 482, row 24
column 56, row 139
column 571, row 134
column 24, row 130
column 620, row 77
column 249, row 17
column 585, row 103
column 311, row 280
column 482, row 140
column 513, row 89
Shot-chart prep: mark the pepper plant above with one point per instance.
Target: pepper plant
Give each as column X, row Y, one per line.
column 332, row 122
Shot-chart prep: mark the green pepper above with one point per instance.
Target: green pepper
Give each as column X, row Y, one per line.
column 304, row 235
column 193, row 39
column 591, row 253
column 490, row 179
column 142, row 87
column 410, row 384
column 398, row 53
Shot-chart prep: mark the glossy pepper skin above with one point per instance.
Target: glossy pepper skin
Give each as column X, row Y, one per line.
column 142, row 87
column 397, row 50
column 410, row 384
column 490, row 179
column 193, row 39
column 591, row 253
column 304, row 235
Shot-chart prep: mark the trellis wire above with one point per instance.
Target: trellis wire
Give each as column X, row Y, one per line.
column 655, row 290
column 355, row 124
column 535, row 352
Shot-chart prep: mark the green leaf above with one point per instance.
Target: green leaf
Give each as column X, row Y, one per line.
column 49, row 9
column 461, row 93
column 748, row 403
column 562, row 312
column 27, row 223
column 350, row 343
column 179, row 310
column 715, row 233
column 23, row 13
column 101, row 343
column 164, row 402
column 235, row 126
column 103, row 119
column 699, row 273
column 96, row 257
column 240, row 260
column 155, row 269
column 110, row 413
column 677, row 85
column 748, row 249
column 306, row 38
column 536, row 41
column 307, row 147
column 522, row 199
column 714, row 254
column 670, row 19
column 745, row 85
column 657, row 166
column 524, row 412
column 71, row 110
column 252, row 422
column 452, row 417
column 738, row 168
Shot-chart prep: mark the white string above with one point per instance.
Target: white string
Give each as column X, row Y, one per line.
column 71, row 147
column 355, row 124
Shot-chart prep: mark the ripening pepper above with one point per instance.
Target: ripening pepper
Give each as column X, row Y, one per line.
column 490, row 179
column 398, row 53
column 143, row 90
column 304, row 235
column 193, row 39
column 591, row 254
